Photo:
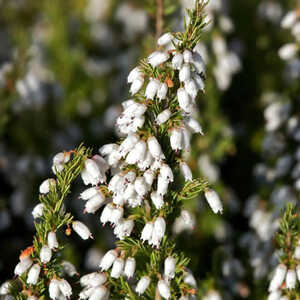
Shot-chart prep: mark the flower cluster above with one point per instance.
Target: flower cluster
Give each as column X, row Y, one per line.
column 41, row 263
column 132, row 178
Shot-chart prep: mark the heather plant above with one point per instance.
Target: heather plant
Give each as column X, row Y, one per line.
column 135, row 184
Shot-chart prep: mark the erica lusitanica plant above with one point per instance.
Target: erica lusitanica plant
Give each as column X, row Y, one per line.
column 135, row 185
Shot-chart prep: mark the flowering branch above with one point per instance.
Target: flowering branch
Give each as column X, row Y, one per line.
column 138, row 182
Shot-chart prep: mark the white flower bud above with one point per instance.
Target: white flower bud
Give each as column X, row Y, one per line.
column 185, row 73
column 198, row 63
column 184, row 100
column 187, row 218
column 33, row 274
column 199, row 81
column 156, row 58
column 106, row 213
column 193, row 125
column 290, row 279
column 136, row 85
column 169, row 270
column 157, row 200
column 147, row 232
column 155, row 148
column 5, row 288
column 278, row 277
column 45, row 254
column 159, row 227
column 61, row 158
column 108, row 149
column 288, row 51
column 68, row 268
column 177, row 61
column 128, row 144
column 164, row 289
column 89, row 193
column 45, row 185
column 81, row 229
column 191, row 88
column 187, row 56
column 52, row 241
column 142, row 285
column 165, row 39
column 37, row 211
column 149, row 178
column 54, row 290
column 162, row 185
column 99, row 293
column 65, row 288
column 166, row 172
column 176, row 139
column 289, row 19
column 134, row 74
column 93, row 279
column 141, row 186
column 129, row 268
column 163, row 117
column 117, row 268
column 162, row 91
column 190, row 279
column 297, row 252
column 93, row 204
column 57, row 168
column 186, row 171
column 186, row 137
column 32, row 297
column 108, row 259
column 214, row 201
column 152, row 88
column 23, row 266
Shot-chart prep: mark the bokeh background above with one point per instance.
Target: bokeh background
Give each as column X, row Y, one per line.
column 63, row 70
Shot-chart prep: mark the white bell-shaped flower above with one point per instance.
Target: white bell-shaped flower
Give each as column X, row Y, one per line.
column 157, row 58
column 117, row 268
column 130, row 266
column 278, row 277
column 165, row 39
column 213, row 200
column 142, row 285
column 291, row 279
column 169, row 267
column 164, row 289
column 177, row 61
column 152, row 88
column 81, row 229
column 33, row 274
column 45, row 254
column 108, row 260
column 52, row 240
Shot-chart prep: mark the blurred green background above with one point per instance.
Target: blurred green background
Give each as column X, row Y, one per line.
column 63, row 75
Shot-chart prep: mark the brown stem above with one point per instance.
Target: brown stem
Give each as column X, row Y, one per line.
column 159, row 18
